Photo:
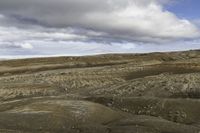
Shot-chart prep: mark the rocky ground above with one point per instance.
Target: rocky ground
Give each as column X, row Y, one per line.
column 116, row 93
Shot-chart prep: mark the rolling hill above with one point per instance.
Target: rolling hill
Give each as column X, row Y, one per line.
column 113, row 93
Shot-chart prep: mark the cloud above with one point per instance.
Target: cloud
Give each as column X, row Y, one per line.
column 127, row 20
column 16, row 46
column 15, row 37
column 82, row 27
column 196, row 22
column 26, row 46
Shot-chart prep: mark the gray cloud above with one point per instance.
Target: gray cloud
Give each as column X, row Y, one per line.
column 128, row 20
column 80, row 27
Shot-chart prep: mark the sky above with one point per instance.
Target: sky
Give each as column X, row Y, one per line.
column 37, row 28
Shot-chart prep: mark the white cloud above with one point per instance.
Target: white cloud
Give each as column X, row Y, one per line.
column 81, row 27
column 129, row 20
column 12, row 37
column 26, row 46
column 148, row 23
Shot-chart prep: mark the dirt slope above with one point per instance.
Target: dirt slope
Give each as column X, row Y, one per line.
column 115, row 93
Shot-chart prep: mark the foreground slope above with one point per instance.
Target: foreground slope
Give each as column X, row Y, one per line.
column 115, row 93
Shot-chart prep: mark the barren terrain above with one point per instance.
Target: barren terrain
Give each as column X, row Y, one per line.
column 114, row 93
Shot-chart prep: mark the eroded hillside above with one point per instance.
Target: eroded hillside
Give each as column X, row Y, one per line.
column 116, row 93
